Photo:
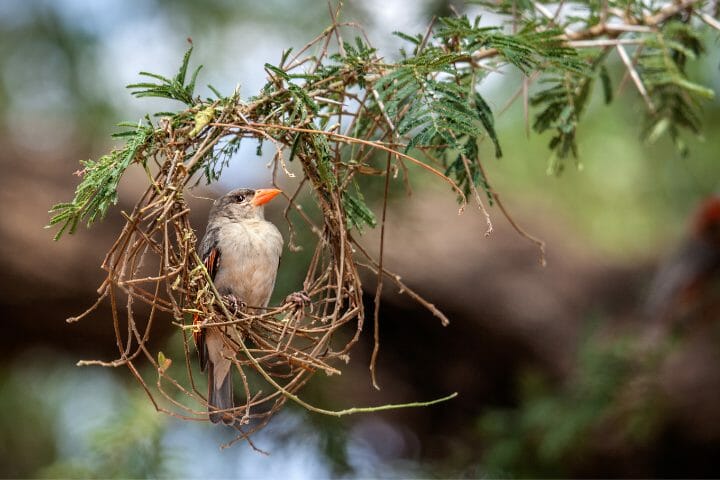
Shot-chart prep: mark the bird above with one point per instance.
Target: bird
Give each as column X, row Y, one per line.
column 686, row 283
column 241, row 251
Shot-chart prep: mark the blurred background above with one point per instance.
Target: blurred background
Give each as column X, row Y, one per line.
column 561, row 371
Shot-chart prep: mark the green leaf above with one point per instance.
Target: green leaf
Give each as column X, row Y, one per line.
column 98, row 188
column 357, row 211
column 662, row 66
column 173, row 89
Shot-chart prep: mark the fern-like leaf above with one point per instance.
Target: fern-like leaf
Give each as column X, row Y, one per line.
column 98, row 189
column 674, row 97
column 173, row 89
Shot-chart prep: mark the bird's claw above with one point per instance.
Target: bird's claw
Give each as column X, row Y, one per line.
column 233, row 303
column 299, row 298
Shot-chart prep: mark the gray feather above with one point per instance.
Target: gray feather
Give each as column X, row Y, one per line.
column 220, row 397
column 249, row 249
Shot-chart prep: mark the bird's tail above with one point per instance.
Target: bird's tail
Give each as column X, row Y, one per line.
column 220, row 397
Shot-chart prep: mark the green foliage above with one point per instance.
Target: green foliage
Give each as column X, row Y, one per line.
column 562, row 103
column 435, row 105
column 358, row 58
column 433, row 97
column 284, row 101
column 561, row 107
column 98, row 189
column 661, row 63
column 661, row 57
column 675, row 99
column 467, row 172
column 427, row 103
column 171, row 88
column 529, row 49
column 358, row 213
column 220, row 159
column 437, row 110
column 553, row 426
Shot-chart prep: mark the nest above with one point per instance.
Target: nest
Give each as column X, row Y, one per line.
column 154, row 262
column 154, row 273
column 284, row 345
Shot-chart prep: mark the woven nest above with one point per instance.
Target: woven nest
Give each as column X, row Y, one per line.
column 154, row 273
column 154, row 262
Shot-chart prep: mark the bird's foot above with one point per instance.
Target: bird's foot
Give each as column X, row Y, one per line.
column 300, row 299
column 233, row 304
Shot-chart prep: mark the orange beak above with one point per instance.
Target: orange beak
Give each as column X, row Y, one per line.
column 264, row 195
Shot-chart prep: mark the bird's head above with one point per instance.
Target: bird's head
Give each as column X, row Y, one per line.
column 244, row 203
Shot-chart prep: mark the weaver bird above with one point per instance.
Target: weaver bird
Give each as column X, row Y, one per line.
column 241, row 251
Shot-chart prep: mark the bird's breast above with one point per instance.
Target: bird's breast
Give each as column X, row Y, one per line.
column 249, row 257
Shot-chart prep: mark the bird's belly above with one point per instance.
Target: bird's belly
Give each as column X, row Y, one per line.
column 248, row 265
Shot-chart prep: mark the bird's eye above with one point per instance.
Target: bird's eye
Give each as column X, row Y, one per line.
column 239, row 198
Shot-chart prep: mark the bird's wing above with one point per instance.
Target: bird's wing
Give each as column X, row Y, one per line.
column 210, row 254
column 207, row 245
column 211, row 261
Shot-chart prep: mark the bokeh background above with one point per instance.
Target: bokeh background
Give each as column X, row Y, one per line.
column 551, row 364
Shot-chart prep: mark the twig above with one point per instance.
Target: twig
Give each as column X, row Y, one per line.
column 635, row 77
column 712, row 22
column 521, row 231
column 376, row 145
column 378, row 288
